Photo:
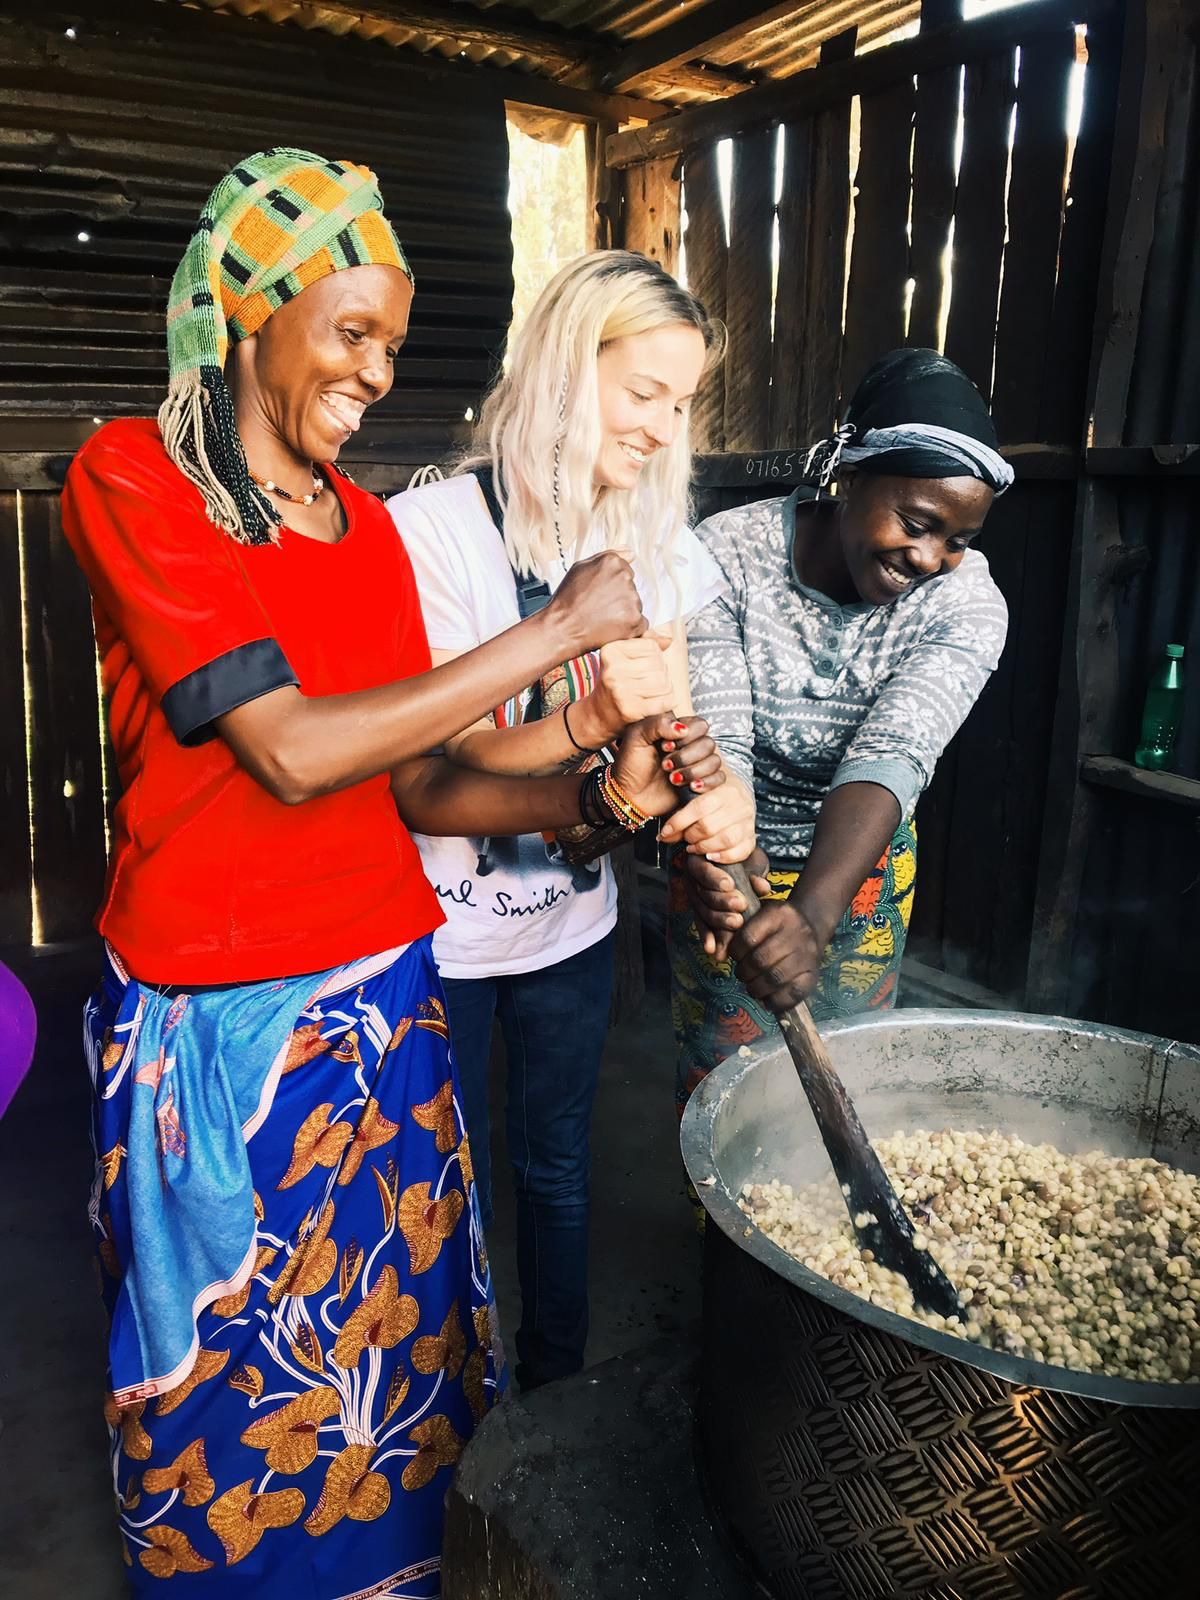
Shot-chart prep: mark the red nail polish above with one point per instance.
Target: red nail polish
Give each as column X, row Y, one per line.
column 668, row 744
column 668, row 766
column 680, row 727
column 677, row 778
column 699, row 784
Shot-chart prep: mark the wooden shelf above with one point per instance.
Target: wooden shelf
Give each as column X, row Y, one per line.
column 1163, row 461
column 1110, row 772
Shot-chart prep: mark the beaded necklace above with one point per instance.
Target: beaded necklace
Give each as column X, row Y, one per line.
column 318, row 488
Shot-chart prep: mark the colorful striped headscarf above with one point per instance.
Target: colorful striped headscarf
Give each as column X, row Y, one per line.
column 278, row 222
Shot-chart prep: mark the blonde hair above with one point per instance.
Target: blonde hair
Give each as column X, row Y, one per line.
column 541, row 420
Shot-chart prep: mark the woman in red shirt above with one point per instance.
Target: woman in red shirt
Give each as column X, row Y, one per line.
column 302, row 1325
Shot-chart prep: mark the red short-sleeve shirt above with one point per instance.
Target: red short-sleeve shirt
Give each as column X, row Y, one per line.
column 212, row 880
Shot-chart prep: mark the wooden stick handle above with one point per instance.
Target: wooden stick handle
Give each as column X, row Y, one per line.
column 880, row 1222
column 803, row 1034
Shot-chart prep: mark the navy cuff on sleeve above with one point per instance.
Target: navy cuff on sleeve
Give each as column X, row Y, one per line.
column 223, row 684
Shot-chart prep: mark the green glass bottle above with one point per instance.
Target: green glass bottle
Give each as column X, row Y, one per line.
column 1162, row 713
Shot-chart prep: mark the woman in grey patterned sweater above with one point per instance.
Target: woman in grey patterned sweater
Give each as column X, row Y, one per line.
column 856, row 634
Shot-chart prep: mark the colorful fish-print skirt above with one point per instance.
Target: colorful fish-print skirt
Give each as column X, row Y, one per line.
column 713, row 1015
column 302, row 1328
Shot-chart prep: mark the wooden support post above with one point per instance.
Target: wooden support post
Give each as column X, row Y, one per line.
column 651, row 210
column 604, row 191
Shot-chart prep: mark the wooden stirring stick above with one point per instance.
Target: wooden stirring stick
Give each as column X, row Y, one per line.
column 879, row 1220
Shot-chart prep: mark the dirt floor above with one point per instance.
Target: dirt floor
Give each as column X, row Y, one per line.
column 57, row 1539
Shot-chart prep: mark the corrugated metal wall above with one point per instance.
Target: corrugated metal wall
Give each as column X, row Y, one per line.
column 110, row 141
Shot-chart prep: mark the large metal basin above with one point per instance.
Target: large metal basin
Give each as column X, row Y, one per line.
column 856, row 1454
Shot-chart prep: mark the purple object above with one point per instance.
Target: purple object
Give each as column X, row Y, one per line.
column 18, row 1030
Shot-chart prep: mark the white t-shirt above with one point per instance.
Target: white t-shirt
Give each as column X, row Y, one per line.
column 512, row 905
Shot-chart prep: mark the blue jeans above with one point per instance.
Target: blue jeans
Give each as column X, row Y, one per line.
column 553, row 1022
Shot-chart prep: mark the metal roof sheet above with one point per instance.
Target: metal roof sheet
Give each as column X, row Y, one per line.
column 773, row 51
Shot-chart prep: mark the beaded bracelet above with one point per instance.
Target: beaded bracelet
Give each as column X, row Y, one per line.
column 603, row 804
column 593, row 813
column 619, row 803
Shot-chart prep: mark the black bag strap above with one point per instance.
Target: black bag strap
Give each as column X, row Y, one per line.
column 533, row 594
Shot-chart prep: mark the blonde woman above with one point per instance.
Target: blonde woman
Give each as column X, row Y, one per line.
column 581, row 446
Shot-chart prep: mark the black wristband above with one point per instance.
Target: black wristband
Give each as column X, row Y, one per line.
column 582, row 748
column 593, row 813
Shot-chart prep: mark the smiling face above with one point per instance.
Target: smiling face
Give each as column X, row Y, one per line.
column 645, row 382
column 304, row 380
column 898, row 532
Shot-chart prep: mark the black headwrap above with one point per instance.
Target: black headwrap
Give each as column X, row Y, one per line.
column 916, row 415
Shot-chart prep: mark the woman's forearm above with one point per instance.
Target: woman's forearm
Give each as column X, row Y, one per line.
column 440, row 797
column 437, row 796
column 539, row 748
column 299, row 747
column 856, row 824
column 547, row 744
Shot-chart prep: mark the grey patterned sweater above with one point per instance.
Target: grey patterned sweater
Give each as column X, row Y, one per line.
column 803, row 694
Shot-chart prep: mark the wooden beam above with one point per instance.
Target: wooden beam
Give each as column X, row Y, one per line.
column 32, row 469
column 494, row 29
column 738, row 469
column 546, row 94
column 818, row 88
column 705, row 29
column 700, row 77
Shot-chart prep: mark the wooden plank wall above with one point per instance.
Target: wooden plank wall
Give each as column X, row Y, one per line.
column 1117, row 926
column 56, row 818
column 868, row 220
column 15, row 867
